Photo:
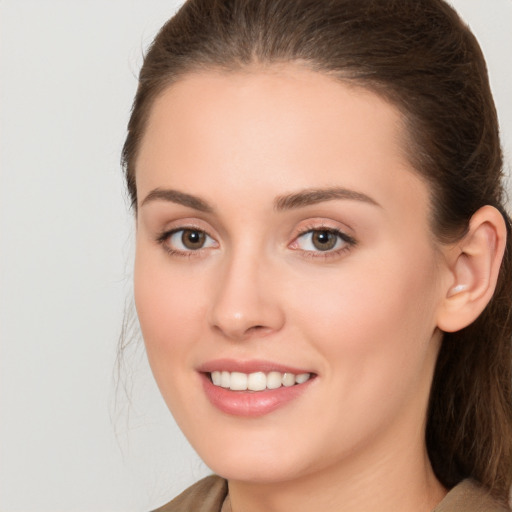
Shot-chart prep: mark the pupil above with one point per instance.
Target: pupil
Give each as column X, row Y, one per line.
column 192, row 239
column 324, row 240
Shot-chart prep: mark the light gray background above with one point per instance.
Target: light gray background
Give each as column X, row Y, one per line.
column 67, row 78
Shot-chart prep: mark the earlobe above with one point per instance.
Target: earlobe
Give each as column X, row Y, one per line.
column 474, row 264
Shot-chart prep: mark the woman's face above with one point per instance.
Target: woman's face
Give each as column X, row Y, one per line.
column 283, row 244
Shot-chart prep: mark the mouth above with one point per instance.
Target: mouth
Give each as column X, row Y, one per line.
column 253, row 388
column 256, row 381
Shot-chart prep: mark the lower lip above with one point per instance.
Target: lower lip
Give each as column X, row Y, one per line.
column 251, row 403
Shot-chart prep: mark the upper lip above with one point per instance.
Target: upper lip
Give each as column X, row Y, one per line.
column 251, row 366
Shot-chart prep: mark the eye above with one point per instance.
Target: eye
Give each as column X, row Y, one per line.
column 187, row 239
column 322, row 240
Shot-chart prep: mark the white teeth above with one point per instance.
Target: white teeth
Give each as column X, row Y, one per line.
column 301, row 378
column 238, row 381
column 216, row 378
column 288, row 379
column 257, row 381
column 274, row 380
column 225, row 379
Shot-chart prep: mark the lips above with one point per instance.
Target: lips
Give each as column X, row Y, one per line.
column 252, row 388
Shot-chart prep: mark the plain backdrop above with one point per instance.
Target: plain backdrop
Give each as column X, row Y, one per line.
column 69, row 441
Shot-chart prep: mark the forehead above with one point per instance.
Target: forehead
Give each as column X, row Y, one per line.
column 268, row 97
column 280, row 122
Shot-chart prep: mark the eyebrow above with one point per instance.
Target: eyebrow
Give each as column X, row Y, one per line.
column 292, row 201
column 175, row 196
column 313, row 196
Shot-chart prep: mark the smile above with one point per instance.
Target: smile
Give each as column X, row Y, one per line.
column 253, row 388
column 256, row 381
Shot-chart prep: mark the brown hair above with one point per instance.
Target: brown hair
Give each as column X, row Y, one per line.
column 419, row 55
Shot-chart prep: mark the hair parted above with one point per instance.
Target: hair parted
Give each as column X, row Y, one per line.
column 422, row 58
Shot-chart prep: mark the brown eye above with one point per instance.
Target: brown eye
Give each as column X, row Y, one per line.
column 324, row 240
column 187, row 240
column 193, row 239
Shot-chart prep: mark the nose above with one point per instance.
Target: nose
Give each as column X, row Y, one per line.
column 246, row 302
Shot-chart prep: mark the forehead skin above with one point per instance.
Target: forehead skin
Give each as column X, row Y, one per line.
column 256, row 104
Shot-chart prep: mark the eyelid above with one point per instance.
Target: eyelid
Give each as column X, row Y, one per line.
column 323, row 224
column 163, row 239
column 319, row 226
column 343, row 236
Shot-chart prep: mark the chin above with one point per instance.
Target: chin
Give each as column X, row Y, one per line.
column 260, row 472
column 261, row 462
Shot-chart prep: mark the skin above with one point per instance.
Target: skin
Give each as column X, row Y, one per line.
column 364, row 319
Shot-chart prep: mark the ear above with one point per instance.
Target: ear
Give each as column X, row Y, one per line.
column 473, row 265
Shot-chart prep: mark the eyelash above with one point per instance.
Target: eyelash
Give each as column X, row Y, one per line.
column 349, row 242
column 164, row 237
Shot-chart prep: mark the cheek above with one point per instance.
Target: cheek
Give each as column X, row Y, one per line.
column 372, row 312
column 374, row 328
column 168, row 310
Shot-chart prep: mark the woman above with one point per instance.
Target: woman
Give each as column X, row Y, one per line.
column 323, row 261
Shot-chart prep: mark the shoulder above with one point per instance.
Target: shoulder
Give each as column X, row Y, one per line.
column 469, row 496
column 207, row 495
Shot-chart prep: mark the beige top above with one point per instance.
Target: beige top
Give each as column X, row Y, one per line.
column 211, row 495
